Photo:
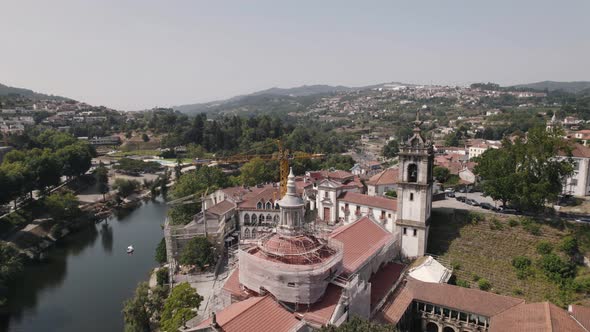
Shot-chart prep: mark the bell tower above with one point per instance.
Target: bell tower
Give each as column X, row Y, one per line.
column 414, row 193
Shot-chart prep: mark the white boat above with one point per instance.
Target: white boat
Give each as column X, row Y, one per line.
column 130, row 249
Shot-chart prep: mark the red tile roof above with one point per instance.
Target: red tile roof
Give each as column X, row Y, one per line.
column 388, row 176
column 321, row 311
column 393, row 310
column 221, row 207
column 263, row 194
column 261, row 314
column 361, row 239
column 581, row 314
column 232, row 285
column 460, row 298
column 372, row 201
column 578, row 151
column 383, row 280
column 537, row 317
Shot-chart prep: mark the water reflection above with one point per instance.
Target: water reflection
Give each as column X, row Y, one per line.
column 83, row 282
column 106, row 232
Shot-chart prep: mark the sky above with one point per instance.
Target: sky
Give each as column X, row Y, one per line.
column 133, row 55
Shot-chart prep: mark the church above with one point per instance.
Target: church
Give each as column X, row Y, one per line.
column 309, row 277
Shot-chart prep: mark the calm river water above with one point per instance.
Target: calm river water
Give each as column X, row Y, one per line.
column 86, row 278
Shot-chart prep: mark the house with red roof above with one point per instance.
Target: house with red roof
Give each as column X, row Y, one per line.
column 382, row 182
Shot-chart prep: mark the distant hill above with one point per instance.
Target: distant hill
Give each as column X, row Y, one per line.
column 571, row 87
column 6, row 90
column 292, row 96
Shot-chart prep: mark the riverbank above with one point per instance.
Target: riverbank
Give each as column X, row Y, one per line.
column 86, row 276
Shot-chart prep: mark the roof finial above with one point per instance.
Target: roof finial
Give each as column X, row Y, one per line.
column 417, row 123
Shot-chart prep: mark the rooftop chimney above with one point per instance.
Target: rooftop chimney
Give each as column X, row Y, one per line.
column 214, row 324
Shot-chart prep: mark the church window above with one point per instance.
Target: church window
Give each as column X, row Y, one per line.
column 415, row 232
column 412, row 173
column 254, row 219
column 325, row 194
column 276, row 218
column 253, row 232
column 261, row 218
column 259, row 205
column 277, row 206
column 268, row 205
column 411, row 196
column 246, row 219
column 268, row 218
column 405, row 231
column 247, row 233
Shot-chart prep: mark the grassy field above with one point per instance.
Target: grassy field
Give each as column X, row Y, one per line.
column 485, row 249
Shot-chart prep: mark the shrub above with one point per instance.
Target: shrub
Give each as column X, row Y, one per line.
column 476, row 277
column 456, row 265
column 569, row 245
column 161, row 252
column 484, row 285
column 391, row 193
column 162, row 276
column 125, row 187
column 556, row 268
column 512, row 222
column 582, row 284
column 496, row 225
column 531, row 226
column 462, row 283
column 517, row 291
column 475, row 217
column 544, row 247
column 521, row 262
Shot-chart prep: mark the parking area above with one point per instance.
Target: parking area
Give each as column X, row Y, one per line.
column 452, row 202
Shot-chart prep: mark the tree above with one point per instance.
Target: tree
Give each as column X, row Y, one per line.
column 135, row 314
column 391, row 149
column 145, row 137
column 101, row 175
column 179, row 306
column 452, row 139
column 356, row 324
column 63, row 206
column 161, row 252
column 441, row 174
column 76, row 159
column 125, row 187
column 198, row 251
column 527, row 172
column 255, row 172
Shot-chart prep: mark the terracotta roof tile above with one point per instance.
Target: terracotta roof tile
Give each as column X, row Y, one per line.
column 361, row 239
column 459, row 298
column 578, row 151
column 321, row 311
column 383, row 280
column 232, row 285
column 264, row 194
column 393, row 310
column 534, row 317
column 261, row 314
column 581, row 314
column 221, row 207
column 388, row 176
column 372, row 201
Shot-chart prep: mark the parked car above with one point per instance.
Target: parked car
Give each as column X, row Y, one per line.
column 471, row 202
column 461, row 198
column 486, row 206
column 450, row 194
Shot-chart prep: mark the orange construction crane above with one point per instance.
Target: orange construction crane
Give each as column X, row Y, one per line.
column 283, row 156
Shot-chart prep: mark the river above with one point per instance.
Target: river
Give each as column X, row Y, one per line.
column 87, row 276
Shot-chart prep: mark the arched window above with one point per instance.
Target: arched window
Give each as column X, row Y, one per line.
column 259, row 205
column 268, row 205
column 246, row 219
column 261, row 218
column 431, row 327
column 254, row 232
column 276, row 218
column 412, row 173
column 268, row 218
column 246, row 233
column 277, row 206
column 254, row 219
column 448, row 329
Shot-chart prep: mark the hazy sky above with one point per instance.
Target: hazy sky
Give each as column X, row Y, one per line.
column 140, row 54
